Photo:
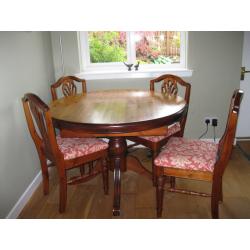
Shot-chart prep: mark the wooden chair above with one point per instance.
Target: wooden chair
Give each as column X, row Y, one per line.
column 64, row 153
column 169, row 86
column 68, row 86
column 198, row 160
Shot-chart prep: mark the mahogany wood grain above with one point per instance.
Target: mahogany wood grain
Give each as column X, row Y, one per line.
column 82, row 133
column 223, row 155
column 117, row 111
column 117, row 114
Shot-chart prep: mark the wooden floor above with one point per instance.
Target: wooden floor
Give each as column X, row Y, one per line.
column 138, row 196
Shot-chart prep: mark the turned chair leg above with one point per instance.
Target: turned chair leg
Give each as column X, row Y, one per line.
column 82, row 170
column 215, row 199
column 63, row 194
column 221, row 190
column 91, row 166
column 215, row 207
column 159, row 195
column 105, row 176
column 45, row 174
column 172, row 182
column 154, row 155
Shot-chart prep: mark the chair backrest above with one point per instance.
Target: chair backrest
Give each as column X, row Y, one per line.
column 227, row 140
column 68, row 86
column 40, row 126
column 169, row 87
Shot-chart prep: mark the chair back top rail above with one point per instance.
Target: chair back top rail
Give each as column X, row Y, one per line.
column 69, row 87
column 169, row 84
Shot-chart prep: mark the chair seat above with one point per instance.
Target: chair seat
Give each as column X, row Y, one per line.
column 172, row 129
column 76, row 147
column 188, row 154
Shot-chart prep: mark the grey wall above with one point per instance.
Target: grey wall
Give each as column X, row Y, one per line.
column 25, row 66
column 214, row 57
column 70, row 56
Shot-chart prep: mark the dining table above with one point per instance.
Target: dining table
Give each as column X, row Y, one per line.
column 118, row 115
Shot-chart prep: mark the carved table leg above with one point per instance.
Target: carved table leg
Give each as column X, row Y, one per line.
column 117, row 154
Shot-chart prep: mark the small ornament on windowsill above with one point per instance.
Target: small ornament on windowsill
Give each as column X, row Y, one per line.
column 129, row 66
column 137, row 66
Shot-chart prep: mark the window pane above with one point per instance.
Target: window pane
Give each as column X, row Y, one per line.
column 157, row 47
column 107, row 46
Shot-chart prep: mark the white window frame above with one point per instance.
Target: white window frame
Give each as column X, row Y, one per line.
column 113, row 70
column 87, row 66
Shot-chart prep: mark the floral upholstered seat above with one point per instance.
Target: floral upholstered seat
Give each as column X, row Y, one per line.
column 188, row 154
column 76, row 147
column 172, row 129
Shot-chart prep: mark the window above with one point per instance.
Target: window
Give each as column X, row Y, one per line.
column 109, row 50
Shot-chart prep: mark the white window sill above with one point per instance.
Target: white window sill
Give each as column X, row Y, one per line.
column 119, row 74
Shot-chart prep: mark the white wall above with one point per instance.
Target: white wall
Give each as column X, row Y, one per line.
column 215, row 58
column 25, row 66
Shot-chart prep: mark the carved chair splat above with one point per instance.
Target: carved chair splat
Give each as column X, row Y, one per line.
column 68, row 86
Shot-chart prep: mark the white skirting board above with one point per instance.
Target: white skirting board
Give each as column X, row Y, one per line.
column 22, row 201
column 243, row 138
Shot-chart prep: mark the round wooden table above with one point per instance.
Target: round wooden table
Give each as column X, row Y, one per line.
column 117, row 114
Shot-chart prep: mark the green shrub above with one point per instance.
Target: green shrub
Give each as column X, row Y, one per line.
column 106, row 47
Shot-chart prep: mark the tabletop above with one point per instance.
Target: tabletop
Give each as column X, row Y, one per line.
column 117, row 111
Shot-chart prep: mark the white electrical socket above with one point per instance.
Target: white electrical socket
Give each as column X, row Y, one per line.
column 210, row 120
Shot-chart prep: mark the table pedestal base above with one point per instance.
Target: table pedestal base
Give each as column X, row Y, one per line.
column 119, row 162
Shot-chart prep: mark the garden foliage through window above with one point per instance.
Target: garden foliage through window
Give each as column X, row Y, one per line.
column 107, row 47
column 110, row 49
